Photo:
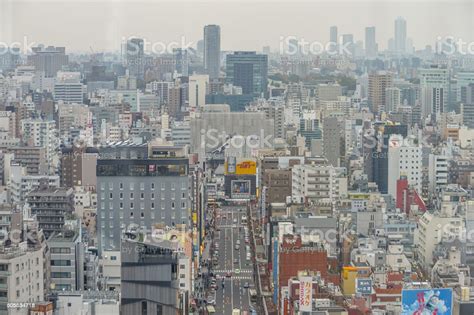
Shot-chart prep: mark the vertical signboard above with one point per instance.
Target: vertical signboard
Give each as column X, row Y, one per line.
column 306, row 294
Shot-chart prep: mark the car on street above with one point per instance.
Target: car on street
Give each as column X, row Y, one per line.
column 237, row 271
column 228, row 275
column 246, row 285
column 237, row 247
column 236, row 261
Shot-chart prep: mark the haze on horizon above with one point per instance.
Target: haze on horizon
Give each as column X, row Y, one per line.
column 85, row 25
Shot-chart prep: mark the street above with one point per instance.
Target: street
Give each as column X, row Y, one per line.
column 232, row 260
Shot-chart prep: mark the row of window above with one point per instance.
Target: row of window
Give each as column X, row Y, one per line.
column 184, row 185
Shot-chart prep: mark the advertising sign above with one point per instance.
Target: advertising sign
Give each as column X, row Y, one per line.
column 364, row 286
column 306, row 294
column 240, row 189
column 246, row 167
column 427, row 302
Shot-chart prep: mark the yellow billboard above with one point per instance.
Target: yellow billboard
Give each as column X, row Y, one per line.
column 246, row 167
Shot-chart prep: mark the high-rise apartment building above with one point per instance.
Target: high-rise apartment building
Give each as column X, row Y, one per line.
column 212, row 50
column 378, row 84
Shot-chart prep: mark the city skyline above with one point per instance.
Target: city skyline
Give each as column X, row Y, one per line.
column 264, row 27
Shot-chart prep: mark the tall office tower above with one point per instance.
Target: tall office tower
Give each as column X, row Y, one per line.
column 181, row 61
column 464, row 79
column 333, row 140
column 400, row 38
column 404, row 159
column 333, row 39
column 370, row 43
column 348, row 45
column 197, row 90
column 392, row 99
column 248, row 70
column 434, row 83
column 212, row 50
column 135, row 54
column 379, row 82
column 68, row 88
column 48, row 60
column 140, row 192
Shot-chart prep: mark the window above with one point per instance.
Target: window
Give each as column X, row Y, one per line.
column 60, row 250
column 60, row 275
column 60, row 262
column 111, row 196
column 152, row 195
column 131, row 195
column 152, row 185
column 142, row 195
column 131, row 215
column 153, row 205
column 121, row 185
column 121, row 195
column 113, row 257
column 142, row 215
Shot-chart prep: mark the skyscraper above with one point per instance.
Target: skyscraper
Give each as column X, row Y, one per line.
column 135, row 57
column 212, row 50
column 333, row 40
column 370, row 44
column 248, row 70
column 400, row 39
column 348, row 44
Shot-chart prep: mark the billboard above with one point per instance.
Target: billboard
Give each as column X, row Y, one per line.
column 306, row 294
column 364, row 286
column 240, row 189
column 427, row 302
column 236, row 166
column 246, row 167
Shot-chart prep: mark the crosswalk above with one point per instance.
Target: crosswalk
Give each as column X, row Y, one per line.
column 232, row 271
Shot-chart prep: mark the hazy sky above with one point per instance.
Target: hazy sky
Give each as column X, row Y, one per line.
column 245, row 24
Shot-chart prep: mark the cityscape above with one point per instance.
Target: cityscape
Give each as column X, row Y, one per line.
column 236, row 158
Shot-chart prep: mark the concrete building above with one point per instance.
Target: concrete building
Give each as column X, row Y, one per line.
column 371, row 46
column 434, row 82
column 334, row 140
column 67, row 260
column 437, row 172
column 392, row 102
column 34, row 158
column 251, row 130
column 51, row 206
column 328, row 92
column 136, row 193
column 313, row 182
column 379, row 82
column 197, row 90
column 78, row 166
column 43, row 134
column 68, row 88
column 404, row 158
column 154, row 287
column 400, row 38
column 49, row 60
